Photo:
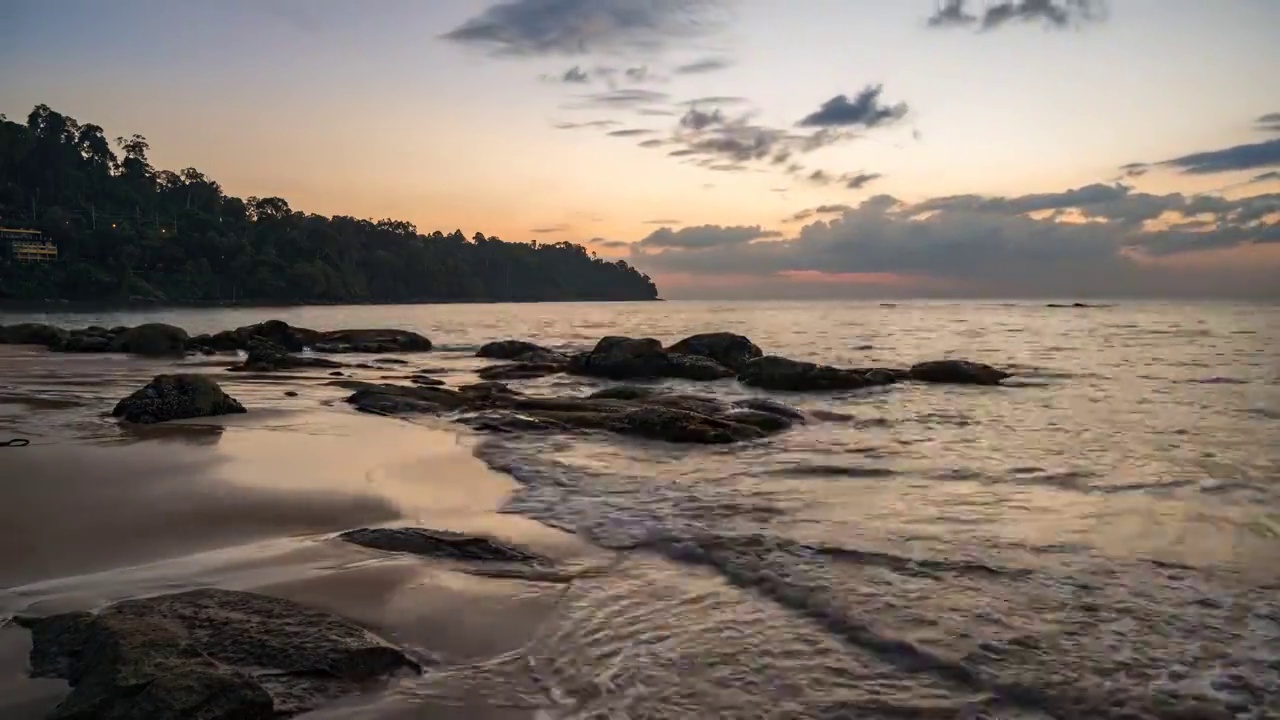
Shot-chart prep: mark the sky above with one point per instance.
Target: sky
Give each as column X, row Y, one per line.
column 729, row 148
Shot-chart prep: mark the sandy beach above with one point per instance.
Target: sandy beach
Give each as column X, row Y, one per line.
column 252, row 503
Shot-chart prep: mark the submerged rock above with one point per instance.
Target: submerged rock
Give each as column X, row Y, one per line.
column 266, row 356
column 509, row 349
column 208, row 655
column 519, row 371
column 156, row 339
column 773, row 372
column 624, row 358
column 437, row 544
column 176, row 397
column 961, row 372
column 728, row 349
column 371, row 341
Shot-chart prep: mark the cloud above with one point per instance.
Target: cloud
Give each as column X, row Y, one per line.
column 621, row 98
column 587, row 124
column 1269, row 122
column 1108, row 234
column 1273, row 176
column 609, row 244
column 662, row 221
column 1052, row 14
column 820, row 210
column 706, row 236
column 864, row 110
column 696, row 119
column 1133, row 170
column 715, row 100
column 575, row 74
column 859, row 180
column 706, row 65
column 576, row 27
column 631, row 132
column 1252, row 156
column 652, row 143
column 557, row 228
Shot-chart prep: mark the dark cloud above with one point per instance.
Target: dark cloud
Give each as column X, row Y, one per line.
column 697, row 119
column 713, row 100
column 859, row 180
column 662, row 221
column 864, row 110
column 575, row 75
column 587, row 124
column 1054, row 14
column 1133, row 170
column 1253, row 156
column 622, row 98
column 652, row 143
column 820, row 210
column 706, row 236
column 706, row 65
column 630, row 132
column 656, row 112
column 574, row 27
column 819, row 177
column 609, row 244
column 1269, row 122
column 1273, row 176
column 557, row 228
column 988, row 242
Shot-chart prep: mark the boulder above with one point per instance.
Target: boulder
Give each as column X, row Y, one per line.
column 266, row 356
column 81, row 342
column 773, row 372
column 509, row 349
column 519, row 371
column 960, row 372
column 694, row 367
column 155, row 339
column 437, row 544
column 426, row 380
column 728, row 349
column 206, row 655
column 176, row 397
column 31, row 334
column 623, row 358
column 373, row 341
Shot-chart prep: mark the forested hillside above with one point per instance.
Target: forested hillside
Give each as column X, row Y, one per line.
column 126, row 230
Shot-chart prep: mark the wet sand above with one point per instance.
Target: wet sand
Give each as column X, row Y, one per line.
column 252, row 503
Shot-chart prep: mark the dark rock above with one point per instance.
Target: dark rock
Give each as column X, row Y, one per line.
column 81, row 343
column 206, row 655
column 176, row 397
column 374, row 341
column 772, row 407
column 487, row 389
column 772, row 372
column 266, row 356
column 624, row 392
column 727, row 349
column 337, row 373
column 290, row 393
column 437, row 544
column 392, row 361
column 31, row 334
column 623, row 358
column 426, row 380
column 519, row 371
column 962, row 372
column 509, row 349
column 681, row 426
column 155, row 339
column 279, row 332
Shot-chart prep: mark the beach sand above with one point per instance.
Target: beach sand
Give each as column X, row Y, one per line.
column 252, row 502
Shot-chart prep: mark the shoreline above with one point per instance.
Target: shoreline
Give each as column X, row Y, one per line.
column 108, row 305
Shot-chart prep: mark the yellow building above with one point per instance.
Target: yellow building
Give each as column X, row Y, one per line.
column 29, row 245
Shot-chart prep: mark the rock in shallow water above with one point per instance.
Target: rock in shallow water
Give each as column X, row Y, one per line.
column 773, row 372
column 961, row 372
column 156, row 339
column 176, row 397
column 728, row 349
column 438, row 544
column 624, row 358
column 208, row 655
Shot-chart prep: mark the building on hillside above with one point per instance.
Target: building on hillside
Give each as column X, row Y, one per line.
column 29, row 245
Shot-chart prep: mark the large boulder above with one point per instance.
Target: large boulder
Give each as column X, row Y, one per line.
column 31, row 334
column 519, row 371
column 959, row 372
column 371, row 341
column 156, row 339
column 773, row 372
column 176, row 397
column 437, row 544
column 624, row 358
column 728, row 349
column 266, row 356
column 510, row 349
column 88, row 340
column 206, row 655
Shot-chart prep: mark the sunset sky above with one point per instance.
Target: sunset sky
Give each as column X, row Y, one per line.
column 730, row 148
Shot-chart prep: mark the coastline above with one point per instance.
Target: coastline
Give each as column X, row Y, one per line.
column 109, row 305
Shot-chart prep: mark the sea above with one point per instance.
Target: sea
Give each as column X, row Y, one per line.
column 1099, row 537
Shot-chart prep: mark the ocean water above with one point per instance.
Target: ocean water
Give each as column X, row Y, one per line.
column 1098, row 538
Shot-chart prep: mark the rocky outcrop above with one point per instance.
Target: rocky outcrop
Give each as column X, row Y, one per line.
column 959, row 372
column 773, row 372
column 208, row 655
column 519, row 371
column 438, row 544
column 624, row 358
column 509, row 349
column 493, row 407
column 156, row 339
column 265, row 356
column 31, row 334
column 371, row 341
column 176, row 397
column 730, row 350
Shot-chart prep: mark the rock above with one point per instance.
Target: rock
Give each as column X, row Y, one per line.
column 509, row 349
column 391, row 361
column 437, row 544
column 773, row 372
column 266, row 356
column 426, row 380
column 961, row 372
column 682, row 426
column 82, row 343
column 519, row 371
column 155, row 339
column 727, row 349
column 206, row 655
column 293, row 339
column 176, row 397
column 624, row 392
column 374, row 341
column 623, row 358
column 772, row 407
column 31, row 334
column 291, row 393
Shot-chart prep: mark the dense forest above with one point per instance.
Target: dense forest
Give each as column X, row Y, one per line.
column 127, row 231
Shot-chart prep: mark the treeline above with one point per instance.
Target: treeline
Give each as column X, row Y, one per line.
column 127, row 231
